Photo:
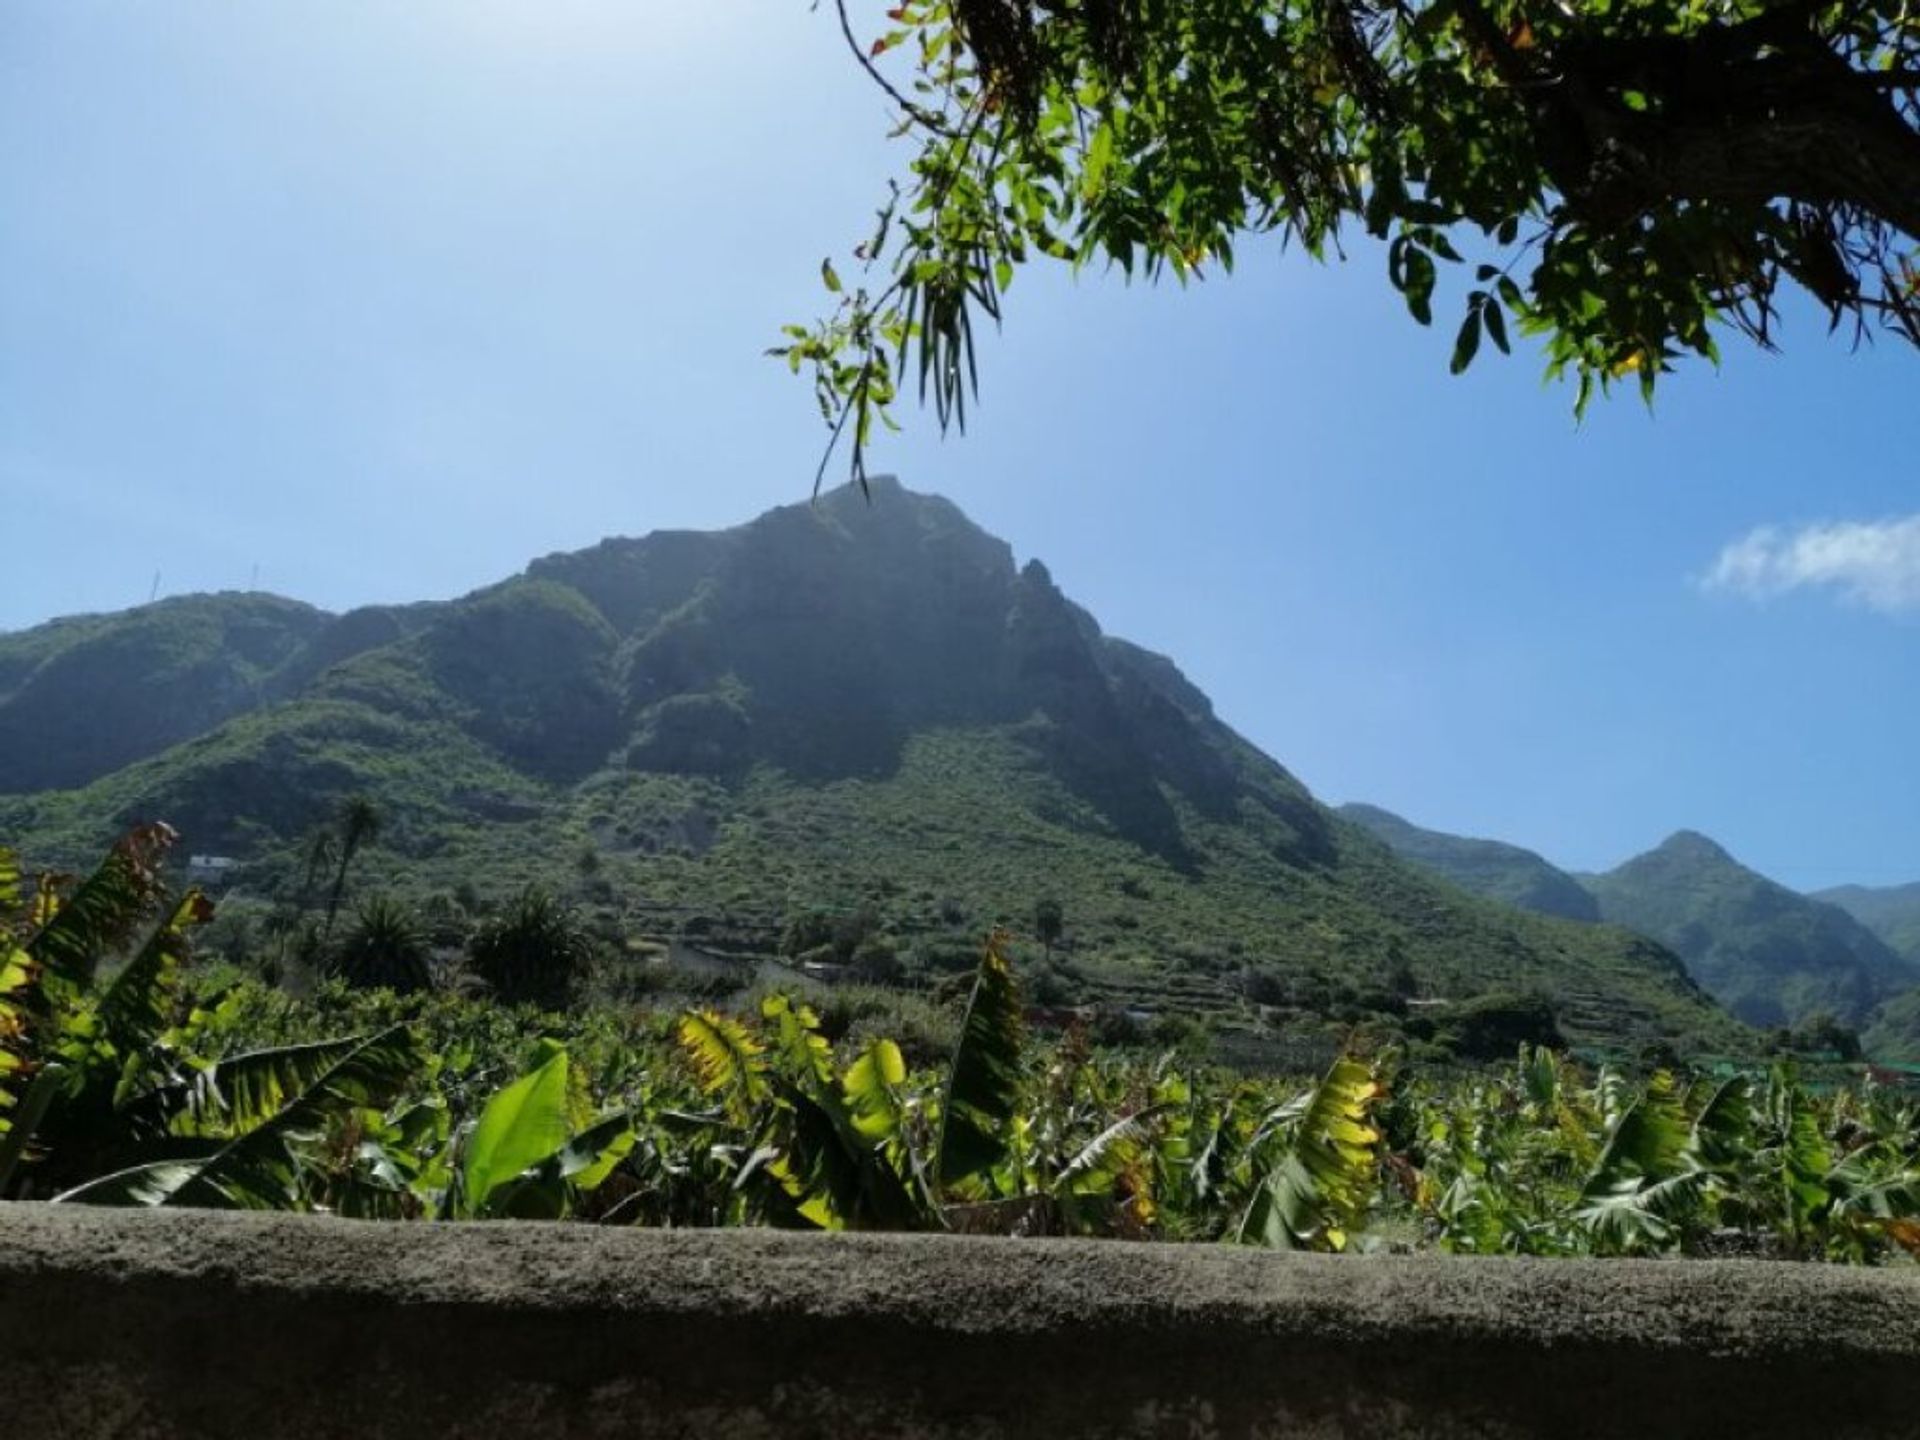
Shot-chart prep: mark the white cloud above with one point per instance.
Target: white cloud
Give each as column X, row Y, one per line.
column 1872, row 563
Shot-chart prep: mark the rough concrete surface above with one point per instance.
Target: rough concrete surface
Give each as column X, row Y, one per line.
column 199, row 1326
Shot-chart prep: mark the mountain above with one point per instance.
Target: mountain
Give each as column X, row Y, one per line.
column 1490, row 868
column 858, row 706
column 1892, row 912
column 85, row 696
column 1771, row 956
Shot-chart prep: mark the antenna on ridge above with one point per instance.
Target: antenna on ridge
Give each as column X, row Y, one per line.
column 154, row 593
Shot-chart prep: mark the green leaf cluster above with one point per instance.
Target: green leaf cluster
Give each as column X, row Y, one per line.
column 1626, row 176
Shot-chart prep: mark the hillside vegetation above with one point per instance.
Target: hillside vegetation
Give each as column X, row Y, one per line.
column 1892, row 912
column 130, row 1084
column 1771, row 956
column 1774, row 957
column 1491, row 868
column 849, row 709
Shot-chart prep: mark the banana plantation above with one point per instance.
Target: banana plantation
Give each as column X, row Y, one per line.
column 125, row 1080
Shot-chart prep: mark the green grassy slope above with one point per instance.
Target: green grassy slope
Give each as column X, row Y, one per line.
column 85, row 696
column 855, row 706
column 1893, row 1031
column 82, row 697
column 1892, row 912
column 1489, row 868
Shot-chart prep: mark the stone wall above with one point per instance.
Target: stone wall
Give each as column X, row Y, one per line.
column 184, row 1326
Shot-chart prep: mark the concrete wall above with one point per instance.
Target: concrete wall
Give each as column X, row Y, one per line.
column 178, row 1326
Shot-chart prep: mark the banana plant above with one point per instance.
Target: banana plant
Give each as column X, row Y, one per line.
column 986, row 1149
column 107, row 1102
column 832, row 1149
column 1314, row 1164
column 531, row 1154
column 1654, row 1181
column 810, row 1146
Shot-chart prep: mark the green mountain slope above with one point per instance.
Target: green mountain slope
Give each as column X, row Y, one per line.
column 82, row 697
column 1491, row 868
column 1770, row 955
column 1892, row 912
column 85, row 696
column 854, row 706
column 1893, row 1031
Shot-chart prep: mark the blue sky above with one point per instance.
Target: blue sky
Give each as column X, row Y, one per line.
column 380, row 300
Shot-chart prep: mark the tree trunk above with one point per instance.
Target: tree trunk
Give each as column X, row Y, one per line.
column 1796, row 124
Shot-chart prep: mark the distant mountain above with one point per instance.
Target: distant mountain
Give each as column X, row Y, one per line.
column 1770, row 955
column 85, row 696
column 1491, row 868
column 851, row 705
column 1892, row 912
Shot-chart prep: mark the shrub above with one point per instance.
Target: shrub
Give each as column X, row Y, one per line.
column 1494, row 1027
column 536, row 952
column 384, row 948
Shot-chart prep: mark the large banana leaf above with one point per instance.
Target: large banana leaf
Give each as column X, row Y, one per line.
column 1647, row 1181
column 983, row 1085
column 261, row 1168
column 18, row 972
column 1650, row 1137
column 17, row 1130
column 587, row 1159
column 524, row 1124
column 9, row 887
column 152, row 1184
column 1104, row 1156
column 104, row 911
column 138, row 1005
column 236, row 1094
column 1635, row 1212
column 1319, row 1161
column 872, row 1087
column 1722, row 1132
column 726, row 1058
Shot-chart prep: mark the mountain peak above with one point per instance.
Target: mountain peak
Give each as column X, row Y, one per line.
column 858, row 703
column 1771, row 956
column 1692, row 846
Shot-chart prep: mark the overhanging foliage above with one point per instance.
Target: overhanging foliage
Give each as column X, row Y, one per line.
column 1623, row 176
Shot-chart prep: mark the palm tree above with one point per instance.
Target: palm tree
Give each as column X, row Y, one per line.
column 358, row 824
column 322, row 852
column 385, row 947
column 1048, row 921
column 534, row 953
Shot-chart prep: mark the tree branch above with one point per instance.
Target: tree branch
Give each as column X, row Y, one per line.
column 918, row 113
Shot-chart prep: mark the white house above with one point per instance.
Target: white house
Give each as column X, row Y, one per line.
column 211, row 867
